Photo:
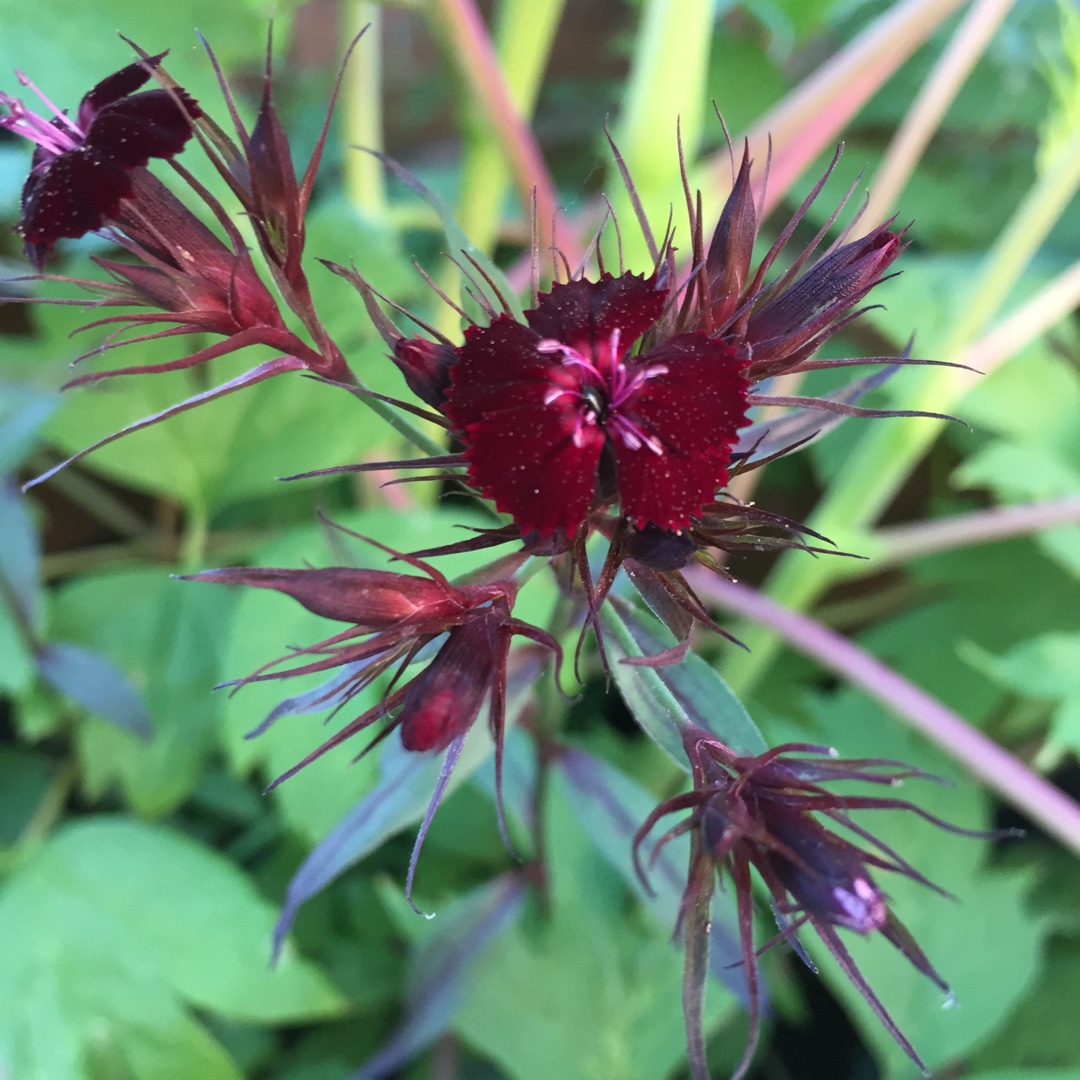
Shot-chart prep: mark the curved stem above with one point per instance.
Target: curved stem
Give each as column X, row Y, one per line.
column 472, row 51
column 1046, row 805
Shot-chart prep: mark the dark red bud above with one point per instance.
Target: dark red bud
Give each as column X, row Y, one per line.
column 727, row 265
column 426, row 368
column 825, row 876
column 443, row 701
column 372, row 598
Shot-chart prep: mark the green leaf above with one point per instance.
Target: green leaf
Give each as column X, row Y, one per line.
column 1042, row 1030
column 225, row 451
column 1047, row 667
column 164, row 636
column 663, row 699
column 1027, row 1074
column 86, row 37
column 110, row 930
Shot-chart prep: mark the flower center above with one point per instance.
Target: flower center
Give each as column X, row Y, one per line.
column 604, row 389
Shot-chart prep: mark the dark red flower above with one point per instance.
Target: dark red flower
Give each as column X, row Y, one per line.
column 82, row 168
column 183, row 277
column 760, row 812
column 549, row 410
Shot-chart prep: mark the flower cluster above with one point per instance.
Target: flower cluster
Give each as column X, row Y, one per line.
column 618, row 406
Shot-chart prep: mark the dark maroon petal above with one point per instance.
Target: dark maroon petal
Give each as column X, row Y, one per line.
column 496, row 366
column 136, row 129
column 586, row 313
column 526, row 459
column 70, row 197
column 694, row 410
column 114, row 87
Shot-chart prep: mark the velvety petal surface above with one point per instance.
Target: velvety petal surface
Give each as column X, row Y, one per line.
column 136, row 129
column 584, row 314
column 71, row 196
column 694, row 410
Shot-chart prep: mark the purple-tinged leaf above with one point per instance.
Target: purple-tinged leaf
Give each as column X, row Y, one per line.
column 611, row 807
column 804, row 426
column 95, row 684
column 665, row 699
column 22, row 412
column 327, row 695
column 440, row 969
column 19, row 556
column 400, row 798
column 256, row 375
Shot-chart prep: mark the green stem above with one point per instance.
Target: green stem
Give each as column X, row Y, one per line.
column 667, row 90
column 887, row 453
column 362, row 112
column 401, row 424
column 522, row 40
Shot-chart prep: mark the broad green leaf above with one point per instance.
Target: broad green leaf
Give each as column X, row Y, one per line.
column 1045, row 667
column 1027, row 1074
column 24, row 780
column 981, row 595
column 66, row 47
column 110, row 930
column 1042, row 1030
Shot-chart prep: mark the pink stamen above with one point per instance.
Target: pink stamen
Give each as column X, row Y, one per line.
column 37, row 128
column 616, row 385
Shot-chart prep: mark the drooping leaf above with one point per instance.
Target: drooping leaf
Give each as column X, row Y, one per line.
column 440, row 968
column 611, row 807
column 95, row 684
column 19, row 556
column 586, row 991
